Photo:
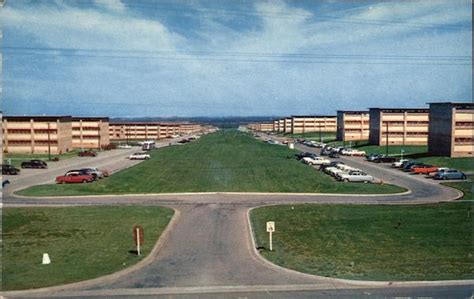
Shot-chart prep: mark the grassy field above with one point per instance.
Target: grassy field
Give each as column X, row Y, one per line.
column 16, row 159
column 82, row 242
column 223, row 161
column 426, row 242
column 467, row 187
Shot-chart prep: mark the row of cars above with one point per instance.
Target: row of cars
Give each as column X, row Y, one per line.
column 417, row 167
column 83, row 175
column 8, row 169
column 336, row 169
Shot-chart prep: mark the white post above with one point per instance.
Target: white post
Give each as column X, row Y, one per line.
column 271, row 243
column 138, row 241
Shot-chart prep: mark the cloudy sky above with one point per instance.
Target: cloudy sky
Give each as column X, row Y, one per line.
column 232, row 57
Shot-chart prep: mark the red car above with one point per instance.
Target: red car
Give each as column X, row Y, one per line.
column 87, row 154
column 74, row 177
column 424, row 169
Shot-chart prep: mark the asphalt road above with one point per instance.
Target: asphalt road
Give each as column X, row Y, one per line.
column 210, row 246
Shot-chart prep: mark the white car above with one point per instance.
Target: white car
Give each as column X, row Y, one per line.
column 316, row 161
column 356, row 176
column 357, row 153
column 139, row 156
column 124, row 146
column 399, row 163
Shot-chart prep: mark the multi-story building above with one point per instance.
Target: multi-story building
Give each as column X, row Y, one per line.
column 149, row 130
column 281, row 125
column 352, row 125
column 275, row 125
column 398, row 126
column 313, row 123
column 37, row 134
column 451, row 129
column 261, row 127
column 287, row 125
column 90, row 132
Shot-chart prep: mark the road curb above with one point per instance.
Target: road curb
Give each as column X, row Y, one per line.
column 220, row 193
column 109, row 277
column 347, row 282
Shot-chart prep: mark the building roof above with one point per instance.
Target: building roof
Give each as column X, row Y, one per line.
column 455, row 104
column 313, row 116
column 398, row 110
column 353, row 111
column 62, row 118
column 91, row 118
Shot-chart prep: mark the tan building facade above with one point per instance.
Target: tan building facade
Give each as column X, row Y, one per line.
column 398, row 126
column 90, row 132
column 353, row 125
column 150, row 130
column 316, row 123
column 37, row 134
column 451, row 130
column 261, row 127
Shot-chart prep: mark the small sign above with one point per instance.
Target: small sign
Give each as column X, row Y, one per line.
column 270, row 226
column 138, row 231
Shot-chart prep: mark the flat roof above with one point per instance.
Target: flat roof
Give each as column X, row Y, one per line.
column 313, row 116
column 395, row 110
column 353, row 111
column 38, row 117
column 456, row 104
column 91, row 118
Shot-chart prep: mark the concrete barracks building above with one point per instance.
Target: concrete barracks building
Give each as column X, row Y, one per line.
column 451, row 129
column 398, row 126
column 149, row 130
column 307, row 124
column 353, row 125
column 90, row 132
column 55, row 134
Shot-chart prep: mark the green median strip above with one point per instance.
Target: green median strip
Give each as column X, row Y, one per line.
column 82, row 242
column 227, row 161
column 382, row 243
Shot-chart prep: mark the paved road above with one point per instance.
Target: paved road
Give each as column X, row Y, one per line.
column 211, row 246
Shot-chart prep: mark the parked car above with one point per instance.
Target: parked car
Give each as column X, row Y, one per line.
column 332, row 164
column 357, row 153
column 334, row 155
column 424, row 169
column 34, row 164
column 9, row 170
column 450, row 174
column 371, row 157
column 124, row 146
column 399, row 163
column 410, row 165
column 300, row 156
column 96, row 173
column 440, row 169
column 139, row 156
column 315, row 161
column 74, row 177
column 356, row 176
column 87, row 154
column 384, row 159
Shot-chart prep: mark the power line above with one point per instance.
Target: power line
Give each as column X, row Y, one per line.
column 296, row 59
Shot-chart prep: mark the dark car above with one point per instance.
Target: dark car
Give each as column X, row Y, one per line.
column 371, row 157
column 87, row 154
column 9, row 170
column 334, row 155
column 300, row 156
column 332, row 164
column 34, row 164
column 384, row 159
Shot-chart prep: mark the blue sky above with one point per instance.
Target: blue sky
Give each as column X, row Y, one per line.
column 232, row 58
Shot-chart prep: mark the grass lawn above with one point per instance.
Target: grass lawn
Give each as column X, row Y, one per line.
column 465, row 164
column 16, row 159
column 432, row 242
column 82, row 242
column 223, row 161
column 467, row 187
